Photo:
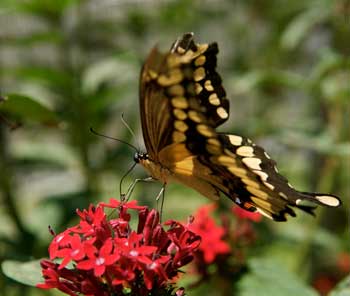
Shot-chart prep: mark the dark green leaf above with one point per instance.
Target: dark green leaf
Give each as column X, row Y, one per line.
column 27, row 109
column 53, row 77
column 269, row 278
column 28, row 273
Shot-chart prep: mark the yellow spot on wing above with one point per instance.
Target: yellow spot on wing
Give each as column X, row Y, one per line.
column 222, row 112
column 180, row 125
column 225, row 160
column 235, row 140
column 214, row 100
column 180, row 50
column 281, row 194
column 200, row 60
column 198, row 88
column 247, row 151
column 205, row 130
column 268, row 185
column 262, row 203
column 252, row 162
column 202, row 48
column 213, row 149
column 263, row 176
column 208, row 86
column 199, row 74
column 195, row 116
column 188, row 55
column 179, row 102
column 229, row 153
column 264, row 213
column 175, row 76
column 178, row 137
column 152, row 74
column 239, row 172
column 250, row 183
column 257, row 192
column 214, row 142
column 176, row 90
column 180, row 114
column 266, row 155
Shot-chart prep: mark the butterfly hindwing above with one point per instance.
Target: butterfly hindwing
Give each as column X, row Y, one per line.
column 256, row 160
column 250, row 178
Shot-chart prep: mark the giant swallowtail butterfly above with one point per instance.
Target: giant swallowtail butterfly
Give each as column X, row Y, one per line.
column 182, row 102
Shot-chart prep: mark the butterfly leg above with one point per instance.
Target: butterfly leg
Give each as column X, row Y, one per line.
column 131, row 188
column 161, row 194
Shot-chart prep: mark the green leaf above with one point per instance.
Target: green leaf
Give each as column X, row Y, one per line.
column 119, row 69
column 323, row 143
column 26, row 108
column 258, row 79
column 36, row 38
column 335, row 88
column 28, row 273
column 270, row 278
column 343, row 288
column 53, row 77
column 300, row 26
column 329, row 61
column 44, row 8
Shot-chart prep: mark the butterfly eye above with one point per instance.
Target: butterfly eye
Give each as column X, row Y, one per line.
column 137, row 157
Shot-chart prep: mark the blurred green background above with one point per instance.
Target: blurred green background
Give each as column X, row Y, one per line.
column 69, row 65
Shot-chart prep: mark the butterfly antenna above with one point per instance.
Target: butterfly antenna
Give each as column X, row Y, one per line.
column 125, row 175
column 108, row 137
column 129, row 128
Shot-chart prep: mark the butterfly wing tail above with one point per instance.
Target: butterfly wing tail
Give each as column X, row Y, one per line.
column 328, row 200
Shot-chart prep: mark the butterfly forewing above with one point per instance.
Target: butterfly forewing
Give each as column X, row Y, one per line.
column 177, row 86
column 154, row 105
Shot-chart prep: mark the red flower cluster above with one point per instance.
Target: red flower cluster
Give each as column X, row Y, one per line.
column 212, row 243
column 109, row 258
column 221, row 253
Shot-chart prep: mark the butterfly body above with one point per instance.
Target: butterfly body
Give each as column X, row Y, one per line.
column 182, row 102
column 156, row 170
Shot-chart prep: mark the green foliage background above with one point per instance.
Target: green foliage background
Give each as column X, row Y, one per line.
column 66, row 66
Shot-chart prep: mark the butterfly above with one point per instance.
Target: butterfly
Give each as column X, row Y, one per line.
column 182, row 102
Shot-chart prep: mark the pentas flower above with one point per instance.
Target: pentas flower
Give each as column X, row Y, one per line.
column 104, row 256
column 213, row 243
column 225, row 241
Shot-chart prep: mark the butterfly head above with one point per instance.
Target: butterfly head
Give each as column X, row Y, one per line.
column 139, row 156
